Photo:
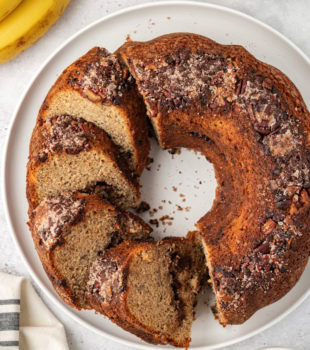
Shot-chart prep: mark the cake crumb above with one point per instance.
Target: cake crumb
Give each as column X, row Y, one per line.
column 152, row 211
column 143, row 207
column 175, row 151
column 165, row 219
column 149, row 162
column 154, row 222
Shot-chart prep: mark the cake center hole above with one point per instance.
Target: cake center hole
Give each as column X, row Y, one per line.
column 179, row 186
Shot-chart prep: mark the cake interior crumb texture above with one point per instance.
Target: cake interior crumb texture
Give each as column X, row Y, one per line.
column 81, row 171
column 107, row 117
column 83, row 242
column 160, row 294
column 71, row 230
column 100, row 90
column 150, row 288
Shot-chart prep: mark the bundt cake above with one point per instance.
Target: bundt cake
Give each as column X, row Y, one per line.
column 256, row 237
column 245, row 116
column 70, row 231
column 98, row 89
column 149, row 289
column 69, row 155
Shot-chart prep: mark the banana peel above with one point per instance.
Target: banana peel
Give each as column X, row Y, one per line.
column 26, row 24
column 7, row 6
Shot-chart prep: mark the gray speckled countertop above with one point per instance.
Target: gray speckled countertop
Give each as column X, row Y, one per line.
column 290, row 17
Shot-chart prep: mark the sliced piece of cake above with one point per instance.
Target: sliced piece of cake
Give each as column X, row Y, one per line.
column 149, row 289
column 74, row 155
column 97, row 88
column 70, row 231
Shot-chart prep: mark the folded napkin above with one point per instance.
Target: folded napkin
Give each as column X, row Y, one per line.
column 25, row 321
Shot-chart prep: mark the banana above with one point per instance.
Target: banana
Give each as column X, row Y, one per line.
column 26, row 24
column 7, row 6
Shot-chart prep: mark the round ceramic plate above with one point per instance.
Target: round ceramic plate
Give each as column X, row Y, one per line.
column 179, row 187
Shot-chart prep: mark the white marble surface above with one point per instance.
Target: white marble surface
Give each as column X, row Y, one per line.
column 290, row 17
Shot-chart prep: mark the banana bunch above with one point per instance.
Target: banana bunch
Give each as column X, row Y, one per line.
column 23, row 22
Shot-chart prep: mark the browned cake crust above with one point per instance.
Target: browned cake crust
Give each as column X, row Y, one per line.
column 256, row 236
column 64, row 136
column 112, row 271
column 98, row 77
column 53, row 221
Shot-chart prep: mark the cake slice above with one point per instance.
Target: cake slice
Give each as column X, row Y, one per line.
column 74, row 155
column 97, row 88
column 70, row 231
column 149, row 289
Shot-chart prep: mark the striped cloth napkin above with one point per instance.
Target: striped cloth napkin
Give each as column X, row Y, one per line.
column 25, row 321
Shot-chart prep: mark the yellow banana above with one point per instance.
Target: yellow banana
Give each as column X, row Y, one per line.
column 26, row 24
column 7, row 6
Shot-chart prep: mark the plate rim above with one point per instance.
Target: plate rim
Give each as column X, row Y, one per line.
column 9, row 217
